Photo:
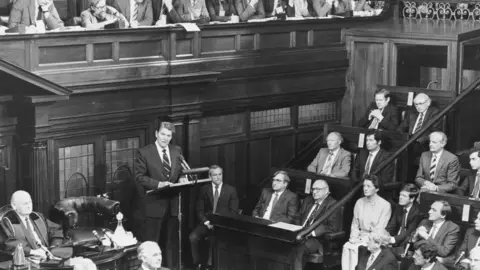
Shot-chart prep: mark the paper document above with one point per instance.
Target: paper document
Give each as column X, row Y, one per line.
column 262, row 20
column 286, row 226
column 189, row 27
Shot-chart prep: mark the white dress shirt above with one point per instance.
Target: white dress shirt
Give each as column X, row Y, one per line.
column 160, row 152
column 270, row 205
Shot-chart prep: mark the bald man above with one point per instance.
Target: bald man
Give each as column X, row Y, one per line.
column 332, row 161
column 31, row 229
column 438, row 169
column 312, row 209
column 150, row 255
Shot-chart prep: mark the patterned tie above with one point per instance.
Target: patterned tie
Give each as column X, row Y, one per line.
column 166, row 164
column 309, row 221
column 433, row 167
column 135, row 12
column 215, row 199
column 419, row 125
column 328, row 164
column 34, row 233
column 371, row 259
column 403, row 224
column 368, row 164
column 476, row 189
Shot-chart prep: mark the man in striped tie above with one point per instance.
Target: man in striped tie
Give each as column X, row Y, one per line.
column 439, row 169
column 157, row 166
column 471, row 185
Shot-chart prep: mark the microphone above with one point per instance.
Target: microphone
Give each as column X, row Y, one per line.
column 409, row 243
column 462, row 254
column 184, row 163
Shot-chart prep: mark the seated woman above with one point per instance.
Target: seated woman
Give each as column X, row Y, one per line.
column 250, row 9
column 370, row 213
column 221, row 10
column 99, row 14
column 29, row 12
column 311, row 8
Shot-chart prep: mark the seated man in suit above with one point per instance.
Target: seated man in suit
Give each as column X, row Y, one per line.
column 277, row 203
column 470, row 241
column 137, row 12
column 31, row 229
column 471, row 185
column 332, row 161
column 475, row 259
column 439, row 169
column 150, row 255
column 98, row 15
column 312, row 209
column 405, row 218
column 309, row 8
column 368, row 161
column 250, row 9
column 184, row 11
column 379, row 256
column 380, row 114
column 28, row 12
column 217, row 197
column 443, row 233
column 222, row 10
column 425, row 257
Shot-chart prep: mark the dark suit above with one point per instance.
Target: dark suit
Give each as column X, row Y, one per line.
column 436, row 266
column 411, row 116
column 469, row 242
column 172, row 16
column 161, row 207
column 446, row 238
column 144, row 11
column 269, row 8
column 393, row 227
column 315, row 8
column 341, row 164
column 446, row 174
column 385, row 175
column 23, row 12
column 313, row 244
column 213, row 7
column 17, row 233
column 246, row 12
column 467, row 186
column 227, row 203
column 384, row 261
column 389, row 121
column 284, row 210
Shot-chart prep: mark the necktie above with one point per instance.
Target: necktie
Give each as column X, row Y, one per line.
column 433, row 231
column 476, row 189
column 316, row 208
column 419, row 124
column 328, row 164
column 34, row 233
column 371, row 259
column 275, row 199
column 403, row 225
column 433, row 167
column 166, row 164
column 368, row 164
column 215, row 199
column 135, row 12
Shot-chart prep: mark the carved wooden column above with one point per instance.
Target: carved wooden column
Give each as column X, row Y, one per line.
column 40, row 183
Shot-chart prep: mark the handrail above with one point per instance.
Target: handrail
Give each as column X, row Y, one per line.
column 382, row 165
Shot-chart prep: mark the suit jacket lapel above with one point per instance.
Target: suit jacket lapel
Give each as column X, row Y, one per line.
column 377, row 260
column 377, row 159
column 173, row 158
column 336, row 157
column 323, row 159
column 157, row 158
column 307, row 211
column 412, row 213
column 267, row 202
column 210, row 194
column 440, row 231
column 441, row 160
column 31, row 10
column 280, row 199
column 126, row 6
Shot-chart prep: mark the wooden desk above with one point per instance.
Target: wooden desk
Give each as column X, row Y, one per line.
column 243, row 242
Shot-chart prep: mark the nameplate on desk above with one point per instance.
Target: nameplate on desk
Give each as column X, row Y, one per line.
column 286, row 226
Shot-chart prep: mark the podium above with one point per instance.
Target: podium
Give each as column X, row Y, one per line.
column 178, row 188
column 244, row 242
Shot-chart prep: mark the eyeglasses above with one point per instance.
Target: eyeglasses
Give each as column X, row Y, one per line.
column 318, row 189
column 99, row 7
column 277, row 180
column 419, row 103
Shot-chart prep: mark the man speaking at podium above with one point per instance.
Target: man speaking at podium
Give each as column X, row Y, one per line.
column 156, row 166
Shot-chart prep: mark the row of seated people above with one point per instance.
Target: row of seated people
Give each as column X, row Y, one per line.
column 135, row 13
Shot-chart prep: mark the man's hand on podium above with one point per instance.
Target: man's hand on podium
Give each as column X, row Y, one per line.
column 163, row 184
column 207, row 223
column 38, row 254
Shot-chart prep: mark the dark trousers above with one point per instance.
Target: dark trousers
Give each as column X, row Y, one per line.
column 311, row 245
column 164, row 231
column 196, row 236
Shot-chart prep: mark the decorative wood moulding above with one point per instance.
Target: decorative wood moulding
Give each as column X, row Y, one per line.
column 448, row 10
column 4, row 157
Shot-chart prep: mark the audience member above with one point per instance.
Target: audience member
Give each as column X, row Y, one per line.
column 217, row 197
column 405, row 219
column 150, row 255
column 167, row 12
column 369, row 160
column 222, row 10
column 311, row 210
column 31, row 12
column 470, row 241
column 250, row 9
column 137, row 12
column 334, row 160
column 471, row 185
column 424, row 257
column 274, row 7
column 380, row 114
column 277, row 203
column 439, row 169
column 475, row 258
column 310, row 8
column 379, row 256
column 190, row 11
column 370, row 213
column 98, row 15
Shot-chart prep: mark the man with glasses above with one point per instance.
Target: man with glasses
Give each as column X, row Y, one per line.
column 313, row 207
column 31, row 12
column 425, row 257
column 277, row 203
column 99, row 14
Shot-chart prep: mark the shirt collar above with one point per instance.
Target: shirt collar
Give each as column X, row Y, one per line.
column 439, row 154
column 334, row 152
column 146, row 268
column 408, row 208
column 160, row 149
column 428, row 267
column 279, row 193
column 439, row 225
column 375, row 255
column 374, row 153
column 219, row 186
